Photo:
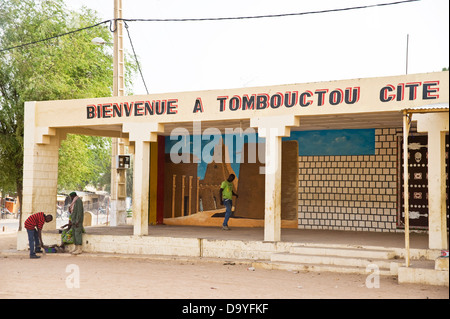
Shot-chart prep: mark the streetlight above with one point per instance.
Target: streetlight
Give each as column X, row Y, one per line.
column 100, row 41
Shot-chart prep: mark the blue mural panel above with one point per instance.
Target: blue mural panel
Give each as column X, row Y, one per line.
column 310, row 143
column 334, row 142
column 203, row 148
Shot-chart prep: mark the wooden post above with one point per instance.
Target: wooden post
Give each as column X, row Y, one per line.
column 406, row 126
column 190, row 192
column 198, row 195
column 182, row 194
column 173, row 195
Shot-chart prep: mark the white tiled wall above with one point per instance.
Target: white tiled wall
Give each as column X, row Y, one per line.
column 351, row 192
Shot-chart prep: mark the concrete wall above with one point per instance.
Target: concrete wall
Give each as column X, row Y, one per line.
column 169, row 246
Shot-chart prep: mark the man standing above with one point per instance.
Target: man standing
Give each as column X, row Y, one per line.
column 226, row 196
column 76, row 211
column 33, row 224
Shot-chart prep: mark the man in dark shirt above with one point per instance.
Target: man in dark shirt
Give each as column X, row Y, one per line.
column 77, row 215
column 33, row 225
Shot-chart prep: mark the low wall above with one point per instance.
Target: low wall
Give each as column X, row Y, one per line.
column 169, row 246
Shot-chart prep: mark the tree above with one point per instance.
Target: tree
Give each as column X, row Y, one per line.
column 67, row 67
column 84, row 160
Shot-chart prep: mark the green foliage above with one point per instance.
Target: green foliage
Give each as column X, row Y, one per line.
column 67, row 67
column 84, row 160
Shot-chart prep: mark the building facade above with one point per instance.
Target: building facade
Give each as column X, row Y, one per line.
column 326, row 155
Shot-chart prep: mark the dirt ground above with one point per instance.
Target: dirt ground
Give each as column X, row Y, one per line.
column 58, row 276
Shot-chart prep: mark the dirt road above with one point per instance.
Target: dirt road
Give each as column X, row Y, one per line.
column 87, row 276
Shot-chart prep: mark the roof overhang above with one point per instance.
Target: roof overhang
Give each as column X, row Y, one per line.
column 430, row 108
column 307, row 123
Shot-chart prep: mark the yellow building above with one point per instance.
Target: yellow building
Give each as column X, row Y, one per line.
column 347, row 174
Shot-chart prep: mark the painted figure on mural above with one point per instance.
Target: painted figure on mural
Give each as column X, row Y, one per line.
column 76, row 211
column 226, row 198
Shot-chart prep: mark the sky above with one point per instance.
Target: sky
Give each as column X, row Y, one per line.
column 194, row 56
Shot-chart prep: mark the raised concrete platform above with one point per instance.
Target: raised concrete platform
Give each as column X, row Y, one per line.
column 121, row 239
column 439, row 275
column 312, row 250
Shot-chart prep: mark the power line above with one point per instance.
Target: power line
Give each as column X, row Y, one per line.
column 269, row 15
column 135, row 57
column 54, row 37
column 210, row 19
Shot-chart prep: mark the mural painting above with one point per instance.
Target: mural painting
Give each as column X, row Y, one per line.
column 191, row 187
column 192, row 181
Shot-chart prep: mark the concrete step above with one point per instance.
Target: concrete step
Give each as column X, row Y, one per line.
column 319, row 268
column 343, row 252
column 423, row 276
column 334, row 260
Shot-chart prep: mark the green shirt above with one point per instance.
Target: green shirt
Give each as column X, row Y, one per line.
column 227, row 192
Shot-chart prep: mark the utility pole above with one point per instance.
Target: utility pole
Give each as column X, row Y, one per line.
column 407, row 52
column 118, row 177
column 119, row 67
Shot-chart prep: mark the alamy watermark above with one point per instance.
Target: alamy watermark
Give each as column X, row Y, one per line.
column 73, row 279
column 206, row 146
column 373, row 279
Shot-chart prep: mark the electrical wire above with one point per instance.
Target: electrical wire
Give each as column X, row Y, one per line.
column 135, row 57
column 54, row 37
column 114, row 21
column 209, row 19
column 269, row 15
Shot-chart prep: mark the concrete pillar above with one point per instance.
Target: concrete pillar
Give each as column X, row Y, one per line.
column 153, row 183
column 436, row 124
column 40, row 171
column 141, row 187
column 273, row 129
column 141, row 134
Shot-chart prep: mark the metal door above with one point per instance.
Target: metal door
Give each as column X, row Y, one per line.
column 418, row 182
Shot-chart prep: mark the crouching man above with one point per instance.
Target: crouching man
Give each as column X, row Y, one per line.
column 34, row 225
